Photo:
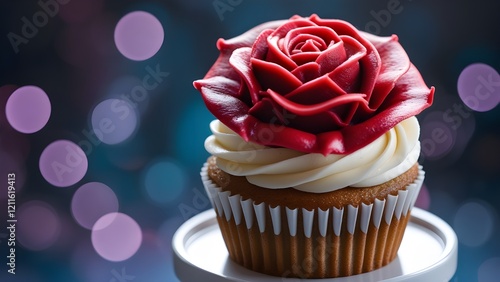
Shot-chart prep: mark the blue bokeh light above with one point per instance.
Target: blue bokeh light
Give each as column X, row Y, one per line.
column 164, row 181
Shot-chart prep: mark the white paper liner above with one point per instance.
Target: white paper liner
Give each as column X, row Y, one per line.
column 357, row 217
column 291, row 216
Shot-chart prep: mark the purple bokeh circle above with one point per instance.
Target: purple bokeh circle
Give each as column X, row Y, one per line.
column 116, row 236
column 114, row 121
column 91, row 201
column 28, row 109
column 63, row 163
column 139, row 35
column 479, row 87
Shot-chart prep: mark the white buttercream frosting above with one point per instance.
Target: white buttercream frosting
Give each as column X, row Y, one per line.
column 275, row 168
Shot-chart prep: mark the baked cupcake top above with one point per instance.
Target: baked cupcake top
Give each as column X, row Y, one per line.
column 319, row 89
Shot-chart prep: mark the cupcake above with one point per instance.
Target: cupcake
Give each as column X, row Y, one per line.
column 314, row 150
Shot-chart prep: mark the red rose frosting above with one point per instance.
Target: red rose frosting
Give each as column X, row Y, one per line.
column 313, row 85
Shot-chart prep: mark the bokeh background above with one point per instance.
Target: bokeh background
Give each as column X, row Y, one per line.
column 149, row 171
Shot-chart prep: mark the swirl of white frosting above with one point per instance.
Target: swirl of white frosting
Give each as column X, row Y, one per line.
column 380, row 161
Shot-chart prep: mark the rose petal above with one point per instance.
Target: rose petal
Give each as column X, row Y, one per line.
column 370, row 63
column 270, row 134
column 353, row 48
column 260, row 48
column 275, row 55
column 347, row 77
column 221, row 66
column 248, row 38
column 325, row 33
column 216, row 92
column 305, row 44
column 240, row 61
column 347, row 74
column 316, row 91
column 234, row 114
column 409, row 97
column 268, row 111
column 273, row 76
column 307, row 110
column 282, row 30
column 331, row 57
column 319, row 34
column 310, row 46
column 321, row 90
column 265, row 111
column 339, row 26
column 322, row 122
column 395, row 63
column 304, row 58
column 307, row 72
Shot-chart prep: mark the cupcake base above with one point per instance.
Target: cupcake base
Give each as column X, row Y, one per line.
column 302, row 242
column 316, row 256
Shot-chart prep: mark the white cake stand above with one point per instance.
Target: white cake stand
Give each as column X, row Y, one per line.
column 428, row 252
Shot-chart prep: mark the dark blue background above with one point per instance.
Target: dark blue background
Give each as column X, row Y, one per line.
column 440, row 38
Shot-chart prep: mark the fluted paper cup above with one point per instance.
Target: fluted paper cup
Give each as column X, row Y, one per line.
column 302, row 243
